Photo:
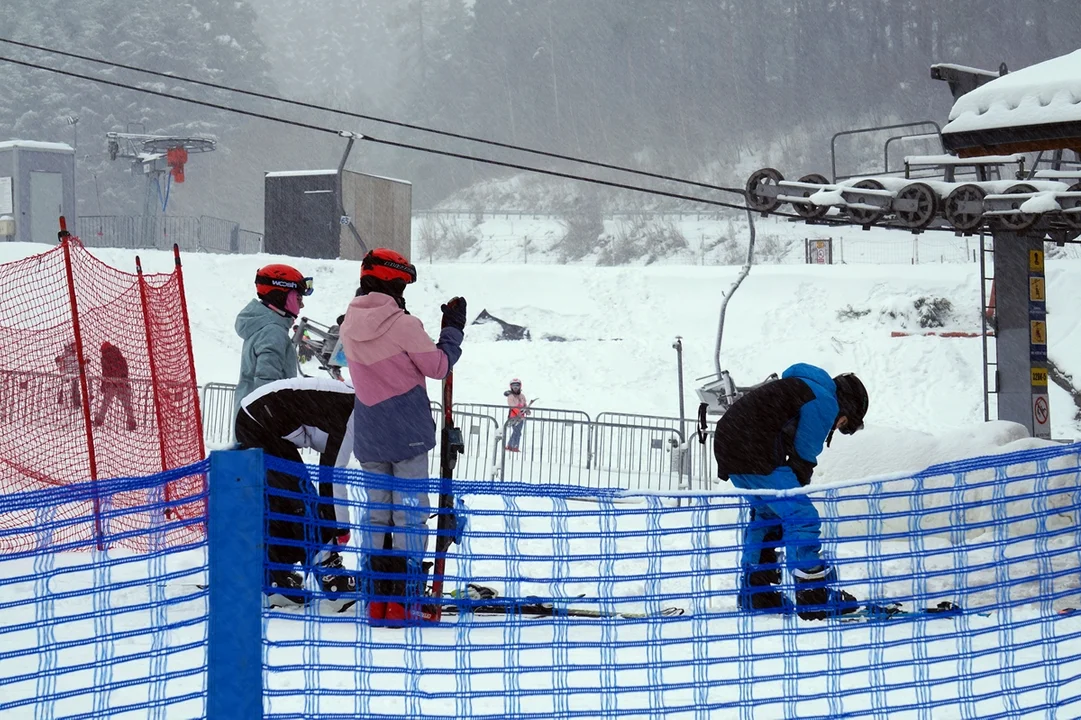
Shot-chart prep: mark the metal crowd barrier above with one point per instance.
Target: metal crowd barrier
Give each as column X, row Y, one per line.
column 559, row 446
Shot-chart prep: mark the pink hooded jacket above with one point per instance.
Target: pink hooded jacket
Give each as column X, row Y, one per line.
column 389, row 355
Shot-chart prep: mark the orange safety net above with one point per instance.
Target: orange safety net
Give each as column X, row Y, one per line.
column 70, row 411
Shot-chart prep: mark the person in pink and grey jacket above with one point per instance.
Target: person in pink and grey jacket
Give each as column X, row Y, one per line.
column 519, row 408
column 389, row 356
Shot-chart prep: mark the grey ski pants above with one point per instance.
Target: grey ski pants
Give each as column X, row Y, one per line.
column 407, row 512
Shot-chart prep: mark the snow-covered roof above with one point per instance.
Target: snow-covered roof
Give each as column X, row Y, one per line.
column 966, row 69
column 35, row 145
column 1047, row 92
column 383, row 177
column 301, row 173
column 954, row 160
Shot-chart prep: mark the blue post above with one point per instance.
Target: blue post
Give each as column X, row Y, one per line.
column 235, row 561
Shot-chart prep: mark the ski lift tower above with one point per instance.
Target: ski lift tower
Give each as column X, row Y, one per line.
column 161, row 159
column 1009, row 167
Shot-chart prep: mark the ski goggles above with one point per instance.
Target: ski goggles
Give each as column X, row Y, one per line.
column 305, row 287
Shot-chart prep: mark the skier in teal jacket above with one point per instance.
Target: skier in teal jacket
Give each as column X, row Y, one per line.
column 264, row 325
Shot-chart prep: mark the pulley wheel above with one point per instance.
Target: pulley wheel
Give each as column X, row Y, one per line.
column 917, row 207
column 1072, row 220
column 762, row 190
column 862, row 215
column 963, row 207
column 1020, row 221
column 809, row 211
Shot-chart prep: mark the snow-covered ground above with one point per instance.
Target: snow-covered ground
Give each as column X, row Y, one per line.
column 615, row 328
column 602, row 336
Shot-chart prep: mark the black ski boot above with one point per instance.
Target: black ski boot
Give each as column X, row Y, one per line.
column 284, row 584
column 758, row 592
column 334, row 578
column 816, row 600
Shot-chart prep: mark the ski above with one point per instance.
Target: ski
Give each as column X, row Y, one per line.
column 325, row 606
column 450, row 446
column 872, row 612
column 538, row 608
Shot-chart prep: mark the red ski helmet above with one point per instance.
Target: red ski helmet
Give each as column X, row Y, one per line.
column 516, row 381
column 387, row 265
column 281, row 278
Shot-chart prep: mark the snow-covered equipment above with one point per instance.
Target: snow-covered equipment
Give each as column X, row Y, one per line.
column 718, row 394
column 315, row 341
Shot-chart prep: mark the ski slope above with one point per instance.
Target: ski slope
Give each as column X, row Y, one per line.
column 615, row 328
column 610, row 331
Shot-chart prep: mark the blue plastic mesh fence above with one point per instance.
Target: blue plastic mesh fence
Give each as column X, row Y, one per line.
column 998, row 537
column 114, row 633
column 610, row 604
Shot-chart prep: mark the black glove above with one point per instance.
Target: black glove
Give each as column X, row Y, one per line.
column 454, row 313
column 802, row 468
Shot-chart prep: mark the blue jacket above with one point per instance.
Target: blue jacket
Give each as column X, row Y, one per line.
column 817, row 417
column 784, row 422
column 268, row 353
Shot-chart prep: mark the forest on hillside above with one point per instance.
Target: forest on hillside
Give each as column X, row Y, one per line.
column 696, row 88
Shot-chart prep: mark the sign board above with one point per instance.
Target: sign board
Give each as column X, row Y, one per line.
column 1039, row 377
column 1036, row 289
column 1041, row 417
column 1035, row 261
column 7, row 206
column 820, row 252
column 1038, row 329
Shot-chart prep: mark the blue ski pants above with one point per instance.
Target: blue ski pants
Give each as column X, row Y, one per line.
column 796, row 515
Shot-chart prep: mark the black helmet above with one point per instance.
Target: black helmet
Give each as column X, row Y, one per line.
column 851, row 402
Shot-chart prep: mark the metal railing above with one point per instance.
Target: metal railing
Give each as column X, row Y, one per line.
column 557, row 445
column 193, row 234
column 216, row 400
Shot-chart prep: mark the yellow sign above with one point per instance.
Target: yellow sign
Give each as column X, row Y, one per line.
column 1035, row 260
column 1039, row 332
column 1039, row 377
column 1036, row 289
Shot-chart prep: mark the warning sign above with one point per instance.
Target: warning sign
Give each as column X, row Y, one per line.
column 1036, row 291
column 1035, row 261
column 1039, row 332
column 1041, row 416
column 1039, row 377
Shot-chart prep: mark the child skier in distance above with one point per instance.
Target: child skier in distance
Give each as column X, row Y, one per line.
column 280, row 417
column 115, row 385
column 389, row 356
column 264, row 325
column 67, row 364
column 770, row 439
column 519, row 408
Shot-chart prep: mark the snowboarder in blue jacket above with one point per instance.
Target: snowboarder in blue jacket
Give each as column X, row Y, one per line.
column 770, row 439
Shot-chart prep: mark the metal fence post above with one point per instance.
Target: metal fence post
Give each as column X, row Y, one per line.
column 235, row 572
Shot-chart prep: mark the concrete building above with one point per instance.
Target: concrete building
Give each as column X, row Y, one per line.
column 37, row 186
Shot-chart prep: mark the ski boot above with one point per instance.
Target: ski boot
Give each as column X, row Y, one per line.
column 411, row 610
column 334, row 578
column 816, row 600
column 758, row 592
column 286, row 588
column 387, row 590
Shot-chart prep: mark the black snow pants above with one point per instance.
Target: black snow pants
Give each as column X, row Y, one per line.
column 314, row 525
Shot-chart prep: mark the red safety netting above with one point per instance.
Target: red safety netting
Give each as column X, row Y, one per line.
column 56, row 311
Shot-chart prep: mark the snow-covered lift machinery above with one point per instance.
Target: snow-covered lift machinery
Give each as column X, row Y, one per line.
column 158, row 157
column 1004, row 168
